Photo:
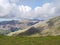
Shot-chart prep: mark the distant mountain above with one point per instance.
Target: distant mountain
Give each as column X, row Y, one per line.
column 14, row 25
column 46, row 28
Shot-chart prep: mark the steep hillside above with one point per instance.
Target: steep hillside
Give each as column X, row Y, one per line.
column 45, row 28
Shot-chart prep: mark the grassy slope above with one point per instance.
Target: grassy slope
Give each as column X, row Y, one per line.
column 4, row 40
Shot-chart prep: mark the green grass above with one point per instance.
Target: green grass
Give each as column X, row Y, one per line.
column 50, row 40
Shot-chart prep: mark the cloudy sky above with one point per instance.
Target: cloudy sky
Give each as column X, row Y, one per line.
column 17, row 9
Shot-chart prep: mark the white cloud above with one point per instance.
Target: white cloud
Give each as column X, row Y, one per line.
column 46, row 10
column 24, row 8
column 11, row 10
column 4, row 7
column 57, row 4
column 25, row 11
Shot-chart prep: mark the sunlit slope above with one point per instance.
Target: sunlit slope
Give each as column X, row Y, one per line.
column 45, row 28
column 17, row 32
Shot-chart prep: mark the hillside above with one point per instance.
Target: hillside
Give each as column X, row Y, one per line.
column 45, row 28
column 14, row 25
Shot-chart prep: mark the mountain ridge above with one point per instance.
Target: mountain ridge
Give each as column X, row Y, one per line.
column 50, row 27
column 46, row 28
